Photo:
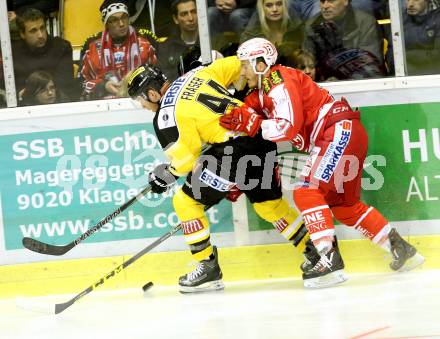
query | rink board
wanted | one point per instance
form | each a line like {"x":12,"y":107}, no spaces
{"x":237,"y":263}
{"x":60,"y":175}
{"x":104,"y":150}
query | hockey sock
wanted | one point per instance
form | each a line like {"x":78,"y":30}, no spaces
{"x":195,"y":225}
{"x":202,"y":250}
{"x":366,"y":219}
{"x":285,"y":219}
{"x":299,"y":237}
{"x":316,"y":213}
{"x":381,"y":238}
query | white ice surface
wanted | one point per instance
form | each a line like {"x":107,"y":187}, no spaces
{"x":369,"y":306}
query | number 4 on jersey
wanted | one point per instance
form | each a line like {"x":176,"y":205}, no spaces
{"x":217,"y":104}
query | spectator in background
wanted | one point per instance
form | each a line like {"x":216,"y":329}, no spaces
{"x":41,"y":89}
{"x":307,"y":9}
{"x":305,"y":62}
{"x":275,"y":25}
{"x":109,"y":55}
{"x":36,"y":50}
{"x":346,"y":42}
{"x":421,"y":27}
{"x":15,"y":6}
{"x":229,"y":15}
{"x":186,"y":34}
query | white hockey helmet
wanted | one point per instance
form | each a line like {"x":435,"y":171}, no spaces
{"x":255,"y":48}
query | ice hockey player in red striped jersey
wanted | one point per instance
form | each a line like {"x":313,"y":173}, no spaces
{"x":288,"y":105}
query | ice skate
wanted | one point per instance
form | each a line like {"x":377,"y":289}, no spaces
{"x":207,"y":276}
{"x":405,"y":256}
{"x":311,"y":257}
{"x":328,"y":271}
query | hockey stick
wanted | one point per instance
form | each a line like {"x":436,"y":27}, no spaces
{"x":43,"y":248}
{"x":61,"y":307}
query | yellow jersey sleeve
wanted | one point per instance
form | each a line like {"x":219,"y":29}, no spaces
{"x":226,"y":71}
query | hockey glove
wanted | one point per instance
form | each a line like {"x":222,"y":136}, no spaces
{"x":161,"y":179}
{"x":242,"y":119}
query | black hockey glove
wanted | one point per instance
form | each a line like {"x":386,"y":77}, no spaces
{"x":161,"y":179}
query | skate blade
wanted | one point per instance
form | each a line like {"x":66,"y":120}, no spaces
{"x":416,"y":260}
{"x":215,"y":285}
{"x":327,"y":280}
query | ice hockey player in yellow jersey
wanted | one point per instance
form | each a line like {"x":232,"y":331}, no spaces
{"x":216,"y":162}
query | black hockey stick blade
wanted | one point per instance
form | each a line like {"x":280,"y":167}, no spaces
{"x":43,"y":248}
{"x":61,"y":307}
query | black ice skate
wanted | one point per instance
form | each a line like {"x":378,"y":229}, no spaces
{"x":405,"y":256}
{"x":328,"y":271}
{"x":311,"y":257}
{"x":207,"y":276}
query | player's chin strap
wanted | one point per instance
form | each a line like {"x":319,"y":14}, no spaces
{"x":260,"y":74}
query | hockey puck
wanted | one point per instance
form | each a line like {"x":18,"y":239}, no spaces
{"x":147,"y":286}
